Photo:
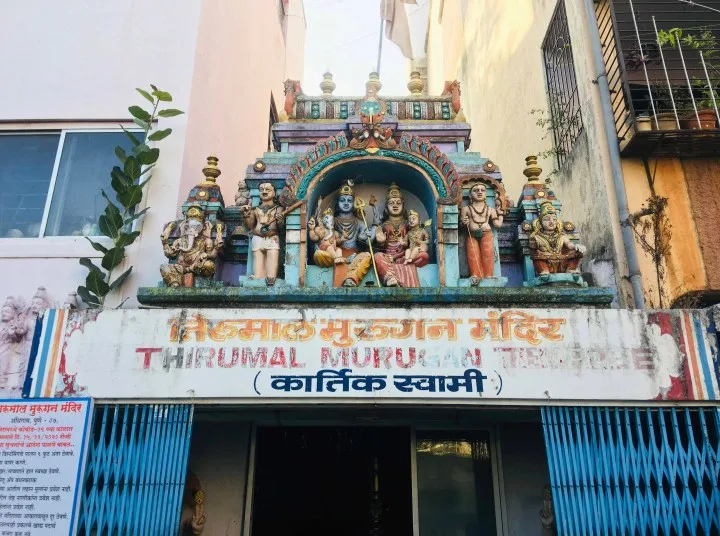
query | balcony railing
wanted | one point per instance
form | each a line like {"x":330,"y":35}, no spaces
{"x":662,"y":61}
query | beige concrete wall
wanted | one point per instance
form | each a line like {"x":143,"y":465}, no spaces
{"x":219,"y":458}
{"x":684,"y":266}
{"x":499,"y":64}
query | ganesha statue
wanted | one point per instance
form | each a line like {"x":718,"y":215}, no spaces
{"x":551,"y":248}
{"x":194,"y":253}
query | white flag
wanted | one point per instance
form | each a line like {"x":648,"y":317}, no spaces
{"x":396,"y":24}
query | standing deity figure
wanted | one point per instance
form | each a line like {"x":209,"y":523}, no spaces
{"x":391,"y":238}
{"x":326,"y":236}
{"x":265,"y":222}
{"x":551,"y":250}
{"x":13,"y":328}
{"x":417,"y":239}
{"x":479,"y":219}
{"x":195,"y":251}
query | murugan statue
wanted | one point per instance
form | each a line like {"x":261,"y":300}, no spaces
{"x":551,"y":249}
{"x":194,"y":253}
{"x":265,"y":222}
{"x":391,"y":239}
{"x":479,"y":219}
{"x":352,"y":236}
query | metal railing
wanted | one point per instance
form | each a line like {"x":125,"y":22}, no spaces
{"x":662,"y":61}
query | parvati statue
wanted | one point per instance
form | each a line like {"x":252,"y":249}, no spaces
{"x":551,"y":249}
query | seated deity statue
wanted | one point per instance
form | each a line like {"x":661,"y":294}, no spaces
{"x":323,"y":232}
{"x":351,"y":238}
{"x":194,"y":253}
{"x":417,"y":239}
{"x":479,"y":219}
{"x":392,"y":242}
{"x":551,"y":249}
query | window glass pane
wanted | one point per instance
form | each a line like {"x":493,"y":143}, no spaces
{"x":85,"y":164}
{"x":26,"y":164}
{"x":455,"y":485}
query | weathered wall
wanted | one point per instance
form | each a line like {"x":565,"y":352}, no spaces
{"x":218,"y":457}
{"x":525,"y":474}
{"x":701,"y":176}
{"x":685,"y":270}
{"x":500,"y":67}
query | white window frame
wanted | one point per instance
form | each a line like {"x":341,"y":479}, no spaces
{"x":57,"y":246}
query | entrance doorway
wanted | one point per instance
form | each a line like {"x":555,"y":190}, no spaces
{"x":332,"y":480}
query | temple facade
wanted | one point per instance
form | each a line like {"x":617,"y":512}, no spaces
{"x":368,"y":335}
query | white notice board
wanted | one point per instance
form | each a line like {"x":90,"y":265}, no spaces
{"x":43,"y":445}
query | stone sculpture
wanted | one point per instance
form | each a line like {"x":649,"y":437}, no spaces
{"x":352,"y":236}
{"x":265,"y":223}
{"x":195,"y":252}
{"x":391,"y":238}
{"x":547,"y":513}
{"x":192,"y":517}
{"x":551,"y":249}
{"x":322,"y":230}
{"x":479,"y":219}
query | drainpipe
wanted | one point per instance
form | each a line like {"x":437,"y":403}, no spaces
{"x":615,"y":164}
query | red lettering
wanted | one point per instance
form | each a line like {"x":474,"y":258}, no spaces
{"x":410,"y":358}
{"x":233,"y":360}
{"x":293,"y":359}
{"x":384,"y":355}
{"x":254,"y":359}
{"x":356,"y":359}
{"x":474,"y":357}
{"x":278,"y":357}
{"x":147,"y":353}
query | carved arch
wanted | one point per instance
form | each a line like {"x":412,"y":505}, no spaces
{"x":411,"y":150}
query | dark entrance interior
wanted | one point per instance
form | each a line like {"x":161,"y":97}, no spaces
{"x":332,"y":480}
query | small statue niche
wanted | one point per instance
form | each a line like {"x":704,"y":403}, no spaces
{"x":265,"y":222}
{"x":194,"y":244}
{"x":480,"y":221}
{"x":195,"y":250}
{"x":552,"y":249}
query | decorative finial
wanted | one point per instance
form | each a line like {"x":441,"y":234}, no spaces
{"x":327,"y":85}
{"x":532,"y":170}
{"x":416,"y":84}
{"x":211,"y":170}
{"x":373,"y":85}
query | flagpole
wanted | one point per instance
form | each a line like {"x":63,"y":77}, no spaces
{"x":382,"y":23}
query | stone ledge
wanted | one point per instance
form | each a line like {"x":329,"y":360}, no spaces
{"x":286,"y":295}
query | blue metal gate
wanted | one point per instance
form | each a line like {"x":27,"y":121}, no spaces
{"x":135,"y":473}
{"x":631,"y":471}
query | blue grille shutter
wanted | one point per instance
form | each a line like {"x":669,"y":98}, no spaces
{"x":135,"y":473}
{"x":634,"y":470}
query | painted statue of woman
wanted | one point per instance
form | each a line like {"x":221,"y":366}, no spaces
{"x":352,"y":236}
{"x":391,"y":242}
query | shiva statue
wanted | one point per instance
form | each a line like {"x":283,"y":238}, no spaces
{"x":352,"y":235}
{"x":194,"y":252}
{"x":392,"y":242}
{"x":551,"y":249}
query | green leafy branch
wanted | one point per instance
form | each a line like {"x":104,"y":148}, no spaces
{"x":128,"y":180}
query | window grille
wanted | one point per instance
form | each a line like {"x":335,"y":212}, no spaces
{"x":562,"y":87}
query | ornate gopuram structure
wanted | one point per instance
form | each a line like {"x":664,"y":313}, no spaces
{"x":376,"y":339}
